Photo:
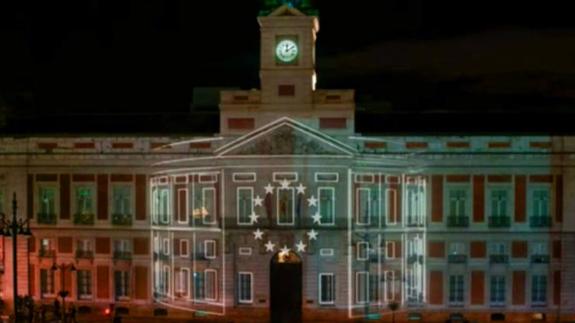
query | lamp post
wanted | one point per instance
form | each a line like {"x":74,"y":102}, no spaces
{"x":63,"y":292}
{"x":12,"y":228}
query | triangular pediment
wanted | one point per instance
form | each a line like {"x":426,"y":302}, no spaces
{"x":286,"y":137}
{"x":286,"y":10}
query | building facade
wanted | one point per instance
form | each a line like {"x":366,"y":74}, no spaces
{"x":289,"y":212}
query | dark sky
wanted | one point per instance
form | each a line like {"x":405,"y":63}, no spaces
{"x":146,"y":56}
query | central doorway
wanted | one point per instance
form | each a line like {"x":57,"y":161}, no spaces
{"x":286,"y":288}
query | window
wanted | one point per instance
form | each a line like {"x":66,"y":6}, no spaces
{"x":497,"y":290}
{"x":327,"y":205}
{"x":199,"y":292}
{"x":363,"y":208}
{"x":415,"y":205}
{"x":121,"y":284}
{"x":456,"y":248}
{"x":163,"y":205}
{"x":165,"y":281}
{"x":362,"y":250}
{"x":46,"y":282}
{"x":326,"y":288}
{"x":498,"y":248}
{"x":362,"y":287}
{"x":539,"y":248}
{"x":285,"y":206}
{"x":166,"y":246}
{"x":538,"y":290}
{"x":540,"y":202}
{"x":122,"y":249}
{"x":183,"y":283}
{"x":84,"y":200}
{"x":47,"y":200}
{"x":211,"y":284}
{"x":46,"y":247}
{"x":456,"y":290}
{"x":499,"y":203}
{"x":326,"y":252}
{"x":84,"y":248}
{"x":184,"y":251}
{"x":122,"y":199}
{"x":245,"y":287}
{"x":210,"y":249}
{"x":391,"y":201}
{"x":390,"y":250}
{"x":244,"y":177}
{"x":373,"y":288}
{"x":245,"y":204}
{"x":389,"y":285}
{"x":84,"y":284}
{"x":457,"y":202}
{"x":286,"y":90}
{"x":208,"y":205}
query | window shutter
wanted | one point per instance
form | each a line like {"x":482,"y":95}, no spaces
{"x":436,"y":285}
{"x":102,"y":282}
{"x":65,"y":244}
{"x":436,"y":249}
{"x":477,"y":249}
{"x":141,"y":197}
{"x":32,"y":244}
{"x":141,"y":246}
{"x":398,"y":249}
{"x":477,"y":287}
{"x":141,"y":279}
{"x":557,"y":249}
{"x":65,"y":196}
{"x":102,"y":197}
{"x":519,"y":249}
{"x":103,"y":245}
{"x":176,"y":247}
{"x":436,"y":198}
{"x":478,"y":198}
{"x":518,"y":289}
{"x":520,"y":194}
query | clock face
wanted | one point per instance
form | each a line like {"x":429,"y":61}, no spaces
{"x":287,"y":51}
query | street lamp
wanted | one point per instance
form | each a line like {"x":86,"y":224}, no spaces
{"x":63,"y":293}
{"x":12,"y":228}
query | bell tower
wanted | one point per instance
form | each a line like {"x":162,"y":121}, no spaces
{"x":287,"y":68}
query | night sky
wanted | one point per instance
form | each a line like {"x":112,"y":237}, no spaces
{"x":404,"y":57}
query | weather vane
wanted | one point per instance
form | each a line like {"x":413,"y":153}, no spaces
{"x":302,"y":5}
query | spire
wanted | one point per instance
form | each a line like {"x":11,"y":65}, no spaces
{"x":302,"y":5}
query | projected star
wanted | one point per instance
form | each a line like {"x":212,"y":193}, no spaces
{"x":269,"y":189}
{"x":284,"y":184}
{"x":254,"y":217}
{"x":285,"y":250}
{"x":316,"y":218}
{"x":300,"y":189}
{"x":258,"y":201}
{"x":312,"y":201}
{"x":300,"y":246}
{"x":258,"y":234}
{"x":270,"y":246}
{"x":312,"y":234}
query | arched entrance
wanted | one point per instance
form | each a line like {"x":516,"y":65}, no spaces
{"x":285,"y":288}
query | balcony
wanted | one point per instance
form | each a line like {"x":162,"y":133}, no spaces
{"x":498,"y":259}
{"x":46,"y":253}
{"x":540,"y":221}
{"x":121,"y":219}
{"x":457,"y":259}
{"x":46,"y":218}
{"x":457,"y":221}
{"x":415,"y":221}
{"x":84,"y":254}
{"x":411,"y":259}
{"x":540,"y":259}
{"x":84,"y":218}
{"x":122,"y":255}
{"x":499,"y":222}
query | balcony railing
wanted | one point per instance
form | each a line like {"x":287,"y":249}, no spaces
{"x":46,"y":218}
{"x":122,"y":255}
{"x":457,"y":259}
{"x":46,"y":253}
{"x":499,"y":259}
{"x":540,"y":259}
{"x":458,"y":221}
{"x":121,"y":219}
{"x":540,"y":221}
{"x":415,"y":221}
{"x":499,"y":221}
{"x":84,"y":254}
{"x":411,"y":259}
{"x":84,"y":218}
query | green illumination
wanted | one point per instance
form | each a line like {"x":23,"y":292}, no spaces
{"x":302,"y":5}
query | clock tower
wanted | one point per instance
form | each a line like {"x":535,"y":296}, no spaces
{"x":288,"y":78}
{"x":287,"y":68}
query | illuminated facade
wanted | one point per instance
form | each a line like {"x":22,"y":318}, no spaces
{"x":288,"y":210}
